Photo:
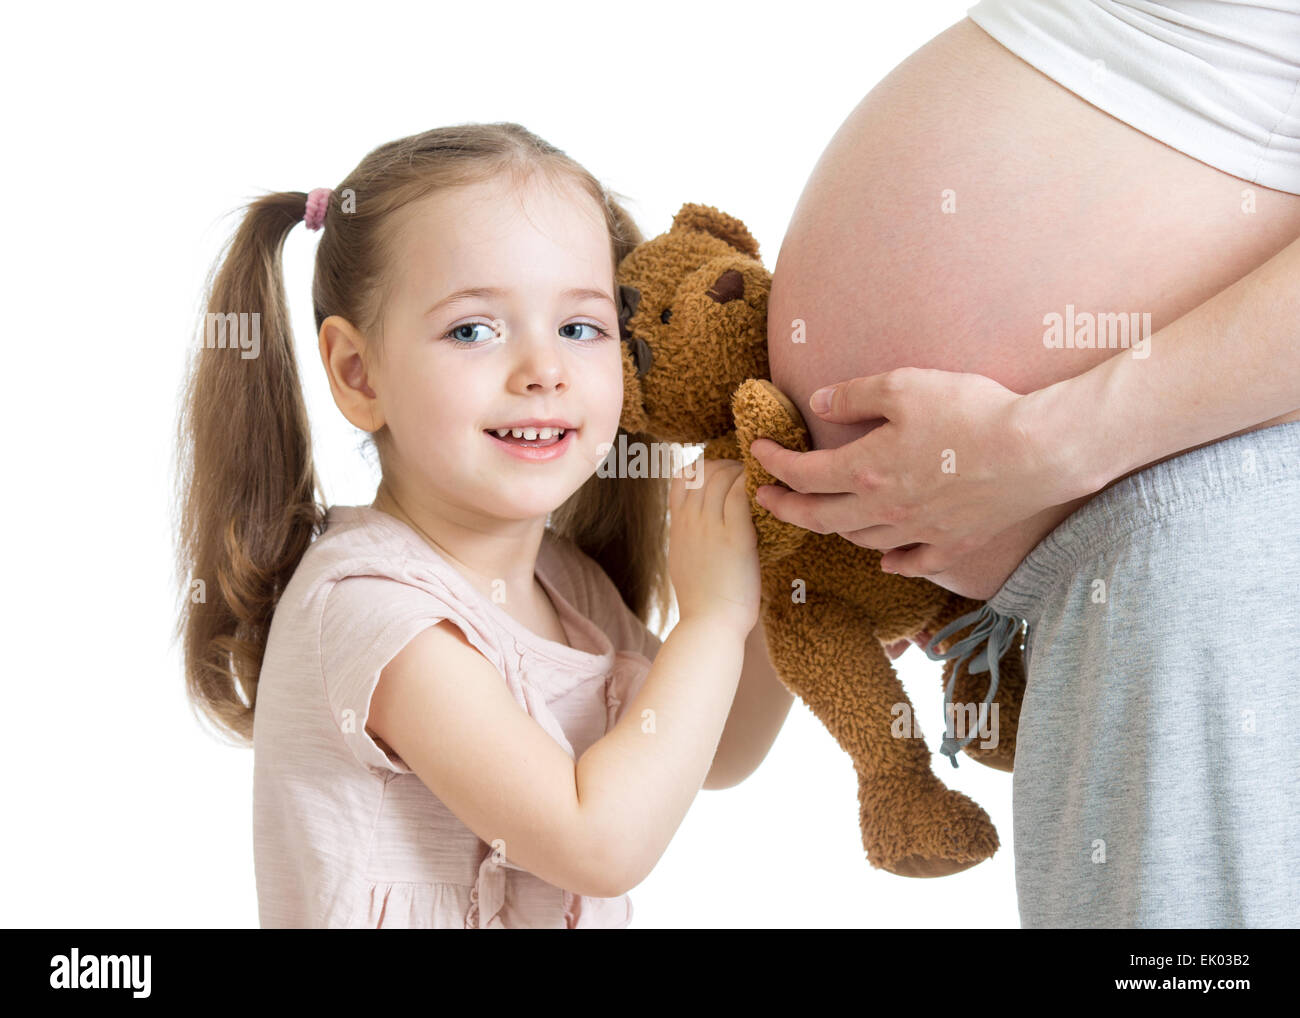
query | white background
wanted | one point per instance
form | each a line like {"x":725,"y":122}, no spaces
{"x":132,"y":134}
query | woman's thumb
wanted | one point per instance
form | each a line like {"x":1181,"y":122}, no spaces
{"x":858,"y":399}
{"x":822,"y":399}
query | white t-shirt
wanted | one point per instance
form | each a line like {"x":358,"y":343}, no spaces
{"x":1216,"y":79}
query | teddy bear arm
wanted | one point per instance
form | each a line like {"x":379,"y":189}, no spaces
{"x":761,"y":410}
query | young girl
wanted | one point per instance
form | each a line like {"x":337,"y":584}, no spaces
{"x":458,"y":714}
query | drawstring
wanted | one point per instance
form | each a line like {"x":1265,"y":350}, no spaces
{"x":998,"y":631}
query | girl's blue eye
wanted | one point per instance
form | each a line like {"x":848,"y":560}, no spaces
{"x":461,"y":341}
{"x":451,"y":333}
{"x":600,"y":333}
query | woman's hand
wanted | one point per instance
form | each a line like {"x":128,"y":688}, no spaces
{"x":896,"y":649}
{"x":956,"y":461}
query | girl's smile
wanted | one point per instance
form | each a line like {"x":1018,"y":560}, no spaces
{"x":528,"y":443}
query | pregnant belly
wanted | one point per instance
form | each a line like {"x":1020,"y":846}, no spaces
{"x":968,"y":198}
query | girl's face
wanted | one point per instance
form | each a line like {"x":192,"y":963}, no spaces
{"x":543,"y":345}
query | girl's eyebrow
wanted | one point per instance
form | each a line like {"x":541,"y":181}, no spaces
{"x":582,"y":293}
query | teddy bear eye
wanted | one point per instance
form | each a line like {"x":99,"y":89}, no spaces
{"x":665,"y":314}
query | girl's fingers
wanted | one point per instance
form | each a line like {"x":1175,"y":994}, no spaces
{"x":737,"y":505}
{"x":718,"y":486}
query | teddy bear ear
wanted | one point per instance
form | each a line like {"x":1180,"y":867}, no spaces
{"x":712,"y":221}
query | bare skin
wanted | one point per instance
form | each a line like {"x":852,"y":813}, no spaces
{"x":538,"y":615}
{"x":1057,"y":203}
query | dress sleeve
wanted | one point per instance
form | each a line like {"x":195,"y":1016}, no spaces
{"x":365,"y":622}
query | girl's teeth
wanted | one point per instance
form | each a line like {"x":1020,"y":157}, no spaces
{"x":531,"y":434}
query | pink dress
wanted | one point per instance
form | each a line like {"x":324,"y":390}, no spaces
{"x":345,"y":834}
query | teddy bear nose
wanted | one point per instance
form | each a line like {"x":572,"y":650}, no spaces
{"x":728,"y":286}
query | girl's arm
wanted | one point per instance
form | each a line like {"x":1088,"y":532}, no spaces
{"x":596,"y":826}
{"x":1230,"y":363}
{"x":757,"y":714}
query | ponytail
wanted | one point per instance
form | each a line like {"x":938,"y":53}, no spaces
{"x":247,"y":495}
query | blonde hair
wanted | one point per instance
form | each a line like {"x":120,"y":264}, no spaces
{"x":248,"y":501}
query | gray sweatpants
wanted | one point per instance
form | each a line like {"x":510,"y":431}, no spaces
{"x":1155,"y":778}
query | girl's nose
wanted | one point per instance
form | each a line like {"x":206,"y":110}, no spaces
{"x":539,"y":362}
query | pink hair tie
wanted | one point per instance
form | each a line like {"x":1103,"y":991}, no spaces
{"x":317,"y":203}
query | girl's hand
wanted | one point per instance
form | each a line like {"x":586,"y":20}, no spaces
{"x":956,"y":462}
{"x":712,"y":546}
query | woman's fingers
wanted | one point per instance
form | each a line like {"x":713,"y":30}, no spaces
{"x":846,"y":513}
{"x":827,"y":471}
{"x":870,"y":397}
{"x":923,"y":560}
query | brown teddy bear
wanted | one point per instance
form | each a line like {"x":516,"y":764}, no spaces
{"x":693,"y":319}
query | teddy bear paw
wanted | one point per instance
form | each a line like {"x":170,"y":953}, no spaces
{"x":931,"y":836}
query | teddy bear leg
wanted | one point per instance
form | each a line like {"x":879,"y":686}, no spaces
{"x":968,"y":694}
{"x":970,"y":690}
{"x":824,"y":651}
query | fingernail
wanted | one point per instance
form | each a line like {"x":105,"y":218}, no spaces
{"x":821,"y":399}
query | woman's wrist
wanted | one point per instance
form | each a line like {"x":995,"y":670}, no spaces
{"x":1067,"y":427}
{"x":1229,"y":364}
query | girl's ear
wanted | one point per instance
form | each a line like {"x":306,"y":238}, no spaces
{"x":342,"y":350}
